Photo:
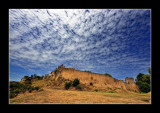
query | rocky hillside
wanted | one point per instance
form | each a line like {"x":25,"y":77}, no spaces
{"x":88,"y":81}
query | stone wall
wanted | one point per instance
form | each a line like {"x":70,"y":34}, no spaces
{"x":95,"y":80}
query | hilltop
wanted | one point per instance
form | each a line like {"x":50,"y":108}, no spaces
{"x":88,"y":81}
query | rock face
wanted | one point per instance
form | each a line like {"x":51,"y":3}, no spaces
{"x":130,"y":85}
{"x":91,"y":81}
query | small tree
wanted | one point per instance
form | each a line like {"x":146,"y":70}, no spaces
{"x":143,"y":82}
{"x":42,"y":76}
{"x":75,"y":82}
{"x":34,"y":76}
{"x":67,"y":85}
{"x":26,"y":77}
{"x":31,"y":76}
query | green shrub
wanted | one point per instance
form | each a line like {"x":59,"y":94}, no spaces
{"x":111,"y":92}
{"x":108,"y":74}
{"x":36,"y":88}
{"x":30,"y":90}
{"x":27,"y":82}
{"x":87,"y":71}
{"x":67,"y":85}
{"x":96,"y":90}
{"x":75,"y":82}
{"x":146,"y":100}
{"x":22,"y":90}
{"x":12,"y":95}
{"x":16,"y":91}
{"x":14,"y":85}
{"x":78,"y":87}
{"x":18,"y":87}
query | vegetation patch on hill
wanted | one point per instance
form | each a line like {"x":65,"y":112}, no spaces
{"x":24,"y":85}
{"x":75,"y":83}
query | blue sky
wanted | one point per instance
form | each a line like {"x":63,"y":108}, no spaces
{"x":114,"y":41}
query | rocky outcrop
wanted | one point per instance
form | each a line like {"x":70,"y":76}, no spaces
{"x":91,"y":81}
{"x":130,"y":85}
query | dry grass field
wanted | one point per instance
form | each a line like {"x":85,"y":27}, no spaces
{"x":59,"y":96}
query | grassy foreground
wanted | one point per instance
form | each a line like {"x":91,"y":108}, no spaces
{"x":57,"y":96}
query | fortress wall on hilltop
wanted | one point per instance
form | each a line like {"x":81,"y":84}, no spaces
{"x":95,"y":80}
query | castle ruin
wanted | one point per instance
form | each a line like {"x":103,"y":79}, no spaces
{"x":90,"y":81}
